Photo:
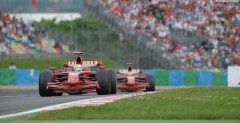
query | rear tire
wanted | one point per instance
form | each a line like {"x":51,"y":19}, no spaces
{"x":151,"y":81}
{"x":57,"y":94}
{"x":104,"y":85}
{"x":112,"y":77}
{"x":44,"y":78}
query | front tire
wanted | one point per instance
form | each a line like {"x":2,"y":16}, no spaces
{"x":57,"y":94}
{"x":44,"y":78}
{"x":151,"y":81}
{"x":112,"y":77}
{"x":104,"y":85}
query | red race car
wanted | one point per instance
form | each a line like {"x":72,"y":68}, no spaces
{"x":77,"y":78}
{"x":134,"y":80}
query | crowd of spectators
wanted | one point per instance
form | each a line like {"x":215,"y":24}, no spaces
{"x":216,"y":26}
{"x":16,"y":31}
{"x":219,"y":26}
{"x":13,"y":29}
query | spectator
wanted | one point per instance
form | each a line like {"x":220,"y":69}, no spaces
{"x":58,"y":46}
{"x":25,"y":40}
{"x":120,"y":34}
{"x":18,"y":37}
{"x":12,"y":66}
{"x":4,"y":49}
{"x":215,"y":23}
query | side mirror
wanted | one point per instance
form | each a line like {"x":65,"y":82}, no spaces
{"x":52,"y":69}
{"x":65,"y":64}
{"x":99,"y":63}
{"x":118,"y":72}
{"x":69,"y":69}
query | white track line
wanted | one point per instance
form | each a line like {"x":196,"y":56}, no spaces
{"x":79,"y":103}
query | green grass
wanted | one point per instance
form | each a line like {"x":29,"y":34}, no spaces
{"x":189,"y":103}
{"x":124,"y":121}
{"x":46,"y":63}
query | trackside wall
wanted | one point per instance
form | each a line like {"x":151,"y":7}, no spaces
{"x":19,"y":77}
{"x":162,"y":77}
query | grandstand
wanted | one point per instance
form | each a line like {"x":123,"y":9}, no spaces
{"x":214,"y":27}
{"x":176,"y":34}
{"x":18,"y":38}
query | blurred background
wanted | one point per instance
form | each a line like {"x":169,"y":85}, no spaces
{"x":166,"y":34}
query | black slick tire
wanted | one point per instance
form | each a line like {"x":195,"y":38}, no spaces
{"x":151,"y":81}
{"x":112,"y":77}
{"x":44,"y":78}
{"x":104,"y":85}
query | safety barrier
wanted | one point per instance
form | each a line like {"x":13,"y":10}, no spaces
{"x":7,"y":77}
{"x":19,"y":77}
{"x":188,"y":78}
{"x":162,"y":77}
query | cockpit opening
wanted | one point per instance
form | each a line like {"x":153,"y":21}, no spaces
{"x":79,"y":60}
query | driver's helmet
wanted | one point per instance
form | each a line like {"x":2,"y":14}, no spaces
{"x":78,"y":68}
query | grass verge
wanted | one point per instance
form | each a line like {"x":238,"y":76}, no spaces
{"x":125,"y":121}
{"x":46,"y":63}
{"x":186,"y":103}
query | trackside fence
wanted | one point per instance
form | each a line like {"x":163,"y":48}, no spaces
{"x":162,"y":77}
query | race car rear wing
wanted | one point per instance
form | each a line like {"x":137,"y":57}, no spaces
{"x":84,"y":63}
{"x":134,"y":71}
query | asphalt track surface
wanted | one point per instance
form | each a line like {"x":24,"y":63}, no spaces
{"x":15,"y":99}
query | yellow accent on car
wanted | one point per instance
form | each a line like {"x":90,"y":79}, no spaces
{"x":79,"y":53}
